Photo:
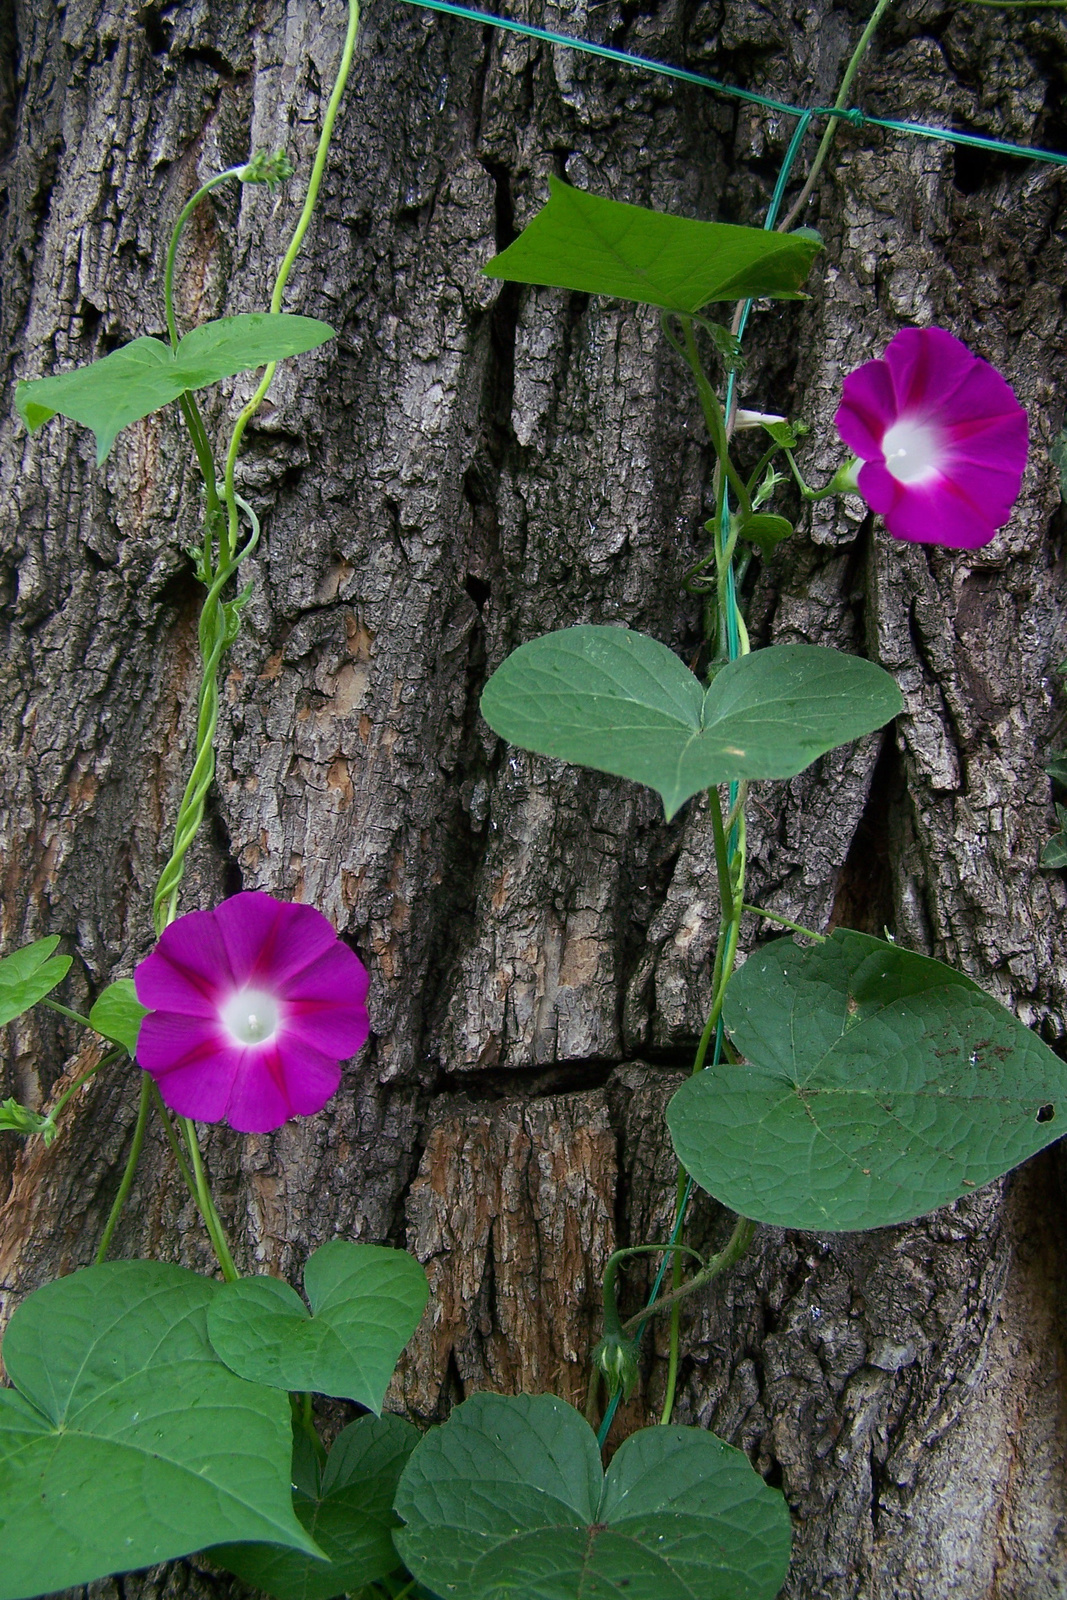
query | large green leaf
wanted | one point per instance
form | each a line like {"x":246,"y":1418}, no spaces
{"x":109,"y":394}
{"x":349,"y":1515}
{"x":507,"y":1499}
{"x":366,"y":1302}
{"x":583,"y":241}
{"x":623,"y":703}
{"x":27,"y":975}
{"x":125,"y":1440}
{"x":118,"y":1014}
{"x":876,"y":1085}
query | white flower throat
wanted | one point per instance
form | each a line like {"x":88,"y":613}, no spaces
{"x":912,"y":450}
{"x":250,"y":1016}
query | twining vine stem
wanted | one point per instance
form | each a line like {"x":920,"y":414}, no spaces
{"x":219,"y":624}
{"x":729,"y":836}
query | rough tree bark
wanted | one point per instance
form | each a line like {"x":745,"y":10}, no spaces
{"x":465,"y":467}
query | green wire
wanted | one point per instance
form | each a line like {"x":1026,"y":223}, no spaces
{"x":920,"y":130}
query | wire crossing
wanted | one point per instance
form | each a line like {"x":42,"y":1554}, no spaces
{"x":859,"y":119}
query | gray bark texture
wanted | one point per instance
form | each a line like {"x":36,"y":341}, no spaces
{"x":467,"y":466}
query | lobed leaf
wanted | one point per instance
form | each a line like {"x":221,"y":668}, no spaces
{"x":125,"y":1440}
{"x":508,"y":1499}
{"x":876,"y":1085}
{"x":623,"y":703}
{"x":349,"y":1515}
{"x":130,"y":383}
{"x":598,"y":246}
{"x":366,"y":1303}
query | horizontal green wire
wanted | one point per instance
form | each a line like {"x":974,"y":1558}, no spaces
{"x":920,"y":130}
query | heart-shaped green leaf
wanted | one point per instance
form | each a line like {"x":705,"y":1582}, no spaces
{"x":118,"y":1014}
{"x":876,"y":1085}
{"x":598,"y":246}
{"x":125,"y":1441}
{"x":366,"y":1302}
{"x":508,"y":1499}
{"x":109,"y":394}
{"x":27,"y":975}
{"x":349,"y":1515}
{"x":623,"y":703}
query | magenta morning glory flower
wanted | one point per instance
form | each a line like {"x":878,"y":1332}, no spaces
{"x":942,"y":438}
{"x":252,"y":1008}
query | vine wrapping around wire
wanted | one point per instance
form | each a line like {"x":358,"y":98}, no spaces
{"x":919,"y":130}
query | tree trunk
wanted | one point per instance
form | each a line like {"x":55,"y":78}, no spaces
{"x":465,"y":467}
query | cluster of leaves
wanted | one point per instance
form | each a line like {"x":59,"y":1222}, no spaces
{"x":150,"y":1418}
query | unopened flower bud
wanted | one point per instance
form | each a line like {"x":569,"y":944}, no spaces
{"x":756,"y":419}
{"x":269,"y":167}
{"x":617,"y":1360}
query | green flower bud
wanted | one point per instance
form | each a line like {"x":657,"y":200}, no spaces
{"x":616,"y":1358}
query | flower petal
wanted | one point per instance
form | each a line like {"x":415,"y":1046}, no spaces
{"x":867,"y":409}
{"x":193,"y":949}
{"x":191,"y":1063}
{"x":275,"y":1083}
{"x":926,"y":367}
{"x":267,"y":940}
{"x":940,"y":513}
{"x":163,"y":986}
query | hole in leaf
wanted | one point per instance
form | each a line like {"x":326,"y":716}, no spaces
{"x":1046,"y":1113}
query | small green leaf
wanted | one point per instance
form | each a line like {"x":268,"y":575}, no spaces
{"x":727,"y":345}
{"x":1054,"y":855}
{"x":788,"y":435}
{"x":508,"y":1499}
{"x":117,"y":1014}
{"x":875,"y":1085}
{"x":126,"y":1441}
{"x":765,"y":530}
{"x":1057,"y":767}
{"x":350,"y":1517}
{"x":620,"y":702}
{"x":366,"y":1301}
{"x":27,"y":975}
{"x":585,"y":242}
{"x":130,"y":383}
{"x":17,"y":1118}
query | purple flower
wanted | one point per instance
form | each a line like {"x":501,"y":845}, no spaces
{"x":942,"y":437}
{"x":253,"y":1006}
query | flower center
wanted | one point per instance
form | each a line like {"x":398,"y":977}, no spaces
{"x":250,"y":1016}
{"x":912,"y":450}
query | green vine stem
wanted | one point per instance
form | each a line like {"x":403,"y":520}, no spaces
{"x":774,"y":916}
{"x":131,"y":1167}
{"x":744,"y":1231}
{"x":107,"y":1060}
{"x":219,"y":622}
{"x":219,"y":618}
{"x":212,"y":1221}
{"x":173,"y":1140}
{"x":831,"y":122}
{"x":730,"y":840}
{"x":248,"y":412}
{"x":65,"y":1011}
